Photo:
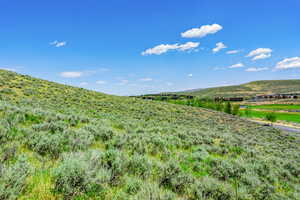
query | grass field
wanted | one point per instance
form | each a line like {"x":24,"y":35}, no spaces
{"x":63,"y":142}
{"x":290,"y":117}
{"x":279,"y":110}
{"x":276,"y":107}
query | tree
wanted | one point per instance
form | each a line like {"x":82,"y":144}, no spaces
{"x":236,"y":109}
{"x":227,"y":108}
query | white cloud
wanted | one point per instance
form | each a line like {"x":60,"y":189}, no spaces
{"x":202,"y":31}
{"x":188,"y":45}
{"x":101,"y":82}
{"x":219,"y":46}
{"x":83,"y":83}
{"x":289,"y":63}
{"x":169,"y":83}
{"x":58,"y":44}
{"x":9,"y":69}
{"x":256,"y":69}
{"x":123,"y":82}
{"x":233,"y":52}
{"x":238,"y":65}
{"x":260,"y":53}
{"x":262,"y":56}
{"x":71,"y":74}
{"x":190,"y":75}
{"x":219,"y":68}
{"x":163,"y":48}
{"x":146,"y":79}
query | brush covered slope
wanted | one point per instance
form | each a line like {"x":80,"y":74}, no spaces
{"x":249,"y":90}
{"x":62,"y":142}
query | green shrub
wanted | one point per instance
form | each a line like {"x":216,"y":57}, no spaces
{"x":228,"y":108}
{"x":53,"y":127}
{"x":151,"y":191}
{"x":271,"y":117}
{"x":78,"y":140}
{"x":224,"y":170}
{"x":81,"y":174}
{"x":132,"y":185}
{"x":171,"y":176}
{"x":236,"y":109}
{"x":117,"y":163}
{"x":209,"y":188}
{"x":46,"y":143}
{"x":4,"y":135}
{"x":139,"y":166}
{"x":8,"y":153}
{"x":13,"y":178}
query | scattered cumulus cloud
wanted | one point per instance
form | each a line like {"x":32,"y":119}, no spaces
{"x":260,"y":53}
{"x":238,"y":65}
{"x":8,"y":69}
{"x":77,"y":74}
{"x":164,"y":48}
{"x":83,"y":83}
{"x":71,"y":74}
{"x":190,"y":75}
{"x":124,"y":82}
{"x":58,"y":44}
{"x":233,"y":51}
{"x":219,"y":68}
{"x":219,"y":46}
{"x":169,"y":83}
{"x":146,"y":79}
{"x":202,"y":31}
{"x":256,"y":69}
{"x":288,"y":63}
{"x":261,"y":56}
{"x":101,"y":82}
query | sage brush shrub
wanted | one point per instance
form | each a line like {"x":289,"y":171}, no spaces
{"x":46,"y":143}
{"x":117,"y":163}
{"x":224,"y":169}
{"x":132,"y":185}
{"x":8,"y":153}
{"x":81,"y":174}
{"x":209,"y":188}
{"x":151,"y":191}
{"x":13,"y":178}
{"x":174,"y":178}
{"x":140,"y":166}
{"x":78,"y":140}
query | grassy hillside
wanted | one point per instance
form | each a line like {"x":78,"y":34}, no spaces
{"x":249,"y":89}
{"x":62,"y":142}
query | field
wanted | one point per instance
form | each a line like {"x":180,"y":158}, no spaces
{"x":249,"y":90}
{"x":62,"y":142}
{"x":284,"y":112}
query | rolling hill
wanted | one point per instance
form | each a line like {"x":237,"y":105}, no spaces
{"x":250,"y":89}
{"x":63,"y":142}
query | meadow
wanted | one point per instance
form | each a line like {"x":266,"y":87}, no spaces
{"x":63,"y":142}
{"x":284,"y":112}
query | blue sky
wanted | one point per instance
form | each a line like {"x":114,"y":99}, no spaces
{"x":128,"y":47}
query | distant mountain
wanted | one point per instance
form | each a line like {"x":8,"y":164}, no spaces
{"x":249,"y":89}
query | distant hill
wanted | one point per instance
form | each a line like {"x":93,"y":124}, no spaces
{"x":63,"y":142}
{"x":249,"y":89}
